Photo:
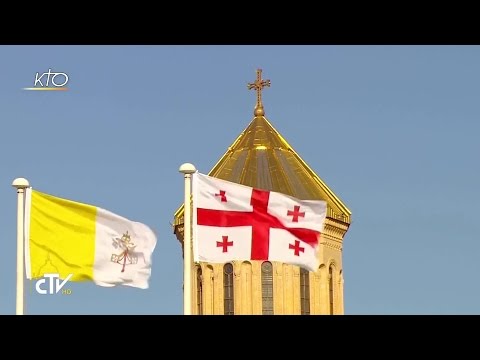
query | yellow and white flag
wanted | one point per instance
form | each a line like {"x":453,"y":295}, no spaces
{"x":85,"y":241}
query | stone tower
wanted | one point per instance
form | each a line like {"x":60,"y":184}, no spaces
{"x":261,"y":158}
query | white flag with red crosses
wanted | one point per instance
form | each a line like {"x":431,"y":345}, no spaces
{"x":237,"y":222}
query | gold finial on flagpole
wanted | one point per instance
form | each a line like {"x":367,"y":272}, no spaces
{"x":258,"y":85}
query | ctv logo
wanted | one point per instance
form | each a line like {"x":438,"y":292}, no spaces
{"x":50,"y":81}
{"x":53,"y":287}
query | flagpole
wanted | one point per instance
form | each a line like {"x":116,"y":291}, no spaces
{"x":20,"y":184}
{"x":187,"y":170}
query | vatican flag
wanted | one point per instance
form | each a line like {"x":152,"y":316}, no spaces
{"x":82,"y":242}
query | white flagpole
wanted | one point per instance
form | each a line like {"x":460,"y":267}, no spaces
{"x":187,"y":170}
{"x":20,"y":184}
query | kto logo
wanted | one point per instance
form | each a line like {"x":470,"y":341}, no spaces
{"x":53,"y":286}
{"x":50,"y":81}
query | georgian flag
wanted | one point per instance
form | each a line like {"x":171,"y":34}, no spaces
{"x":237,"y":222}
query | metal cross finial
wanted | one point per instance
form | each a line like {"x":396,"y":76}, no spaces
{"x":258,"y":85}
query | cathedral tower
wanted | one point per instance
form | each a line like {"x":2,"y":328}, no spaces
{"x":261,"y":158}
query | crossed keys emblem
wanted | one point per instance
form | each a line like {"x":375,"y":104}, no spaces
{"x":126,"y":257}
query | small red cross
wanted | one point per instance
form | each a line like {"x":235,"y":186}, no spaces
{"x":297,"y":248}
{"x":224,"y":243}
{"x":222,"y":195}
{"x":295,"y":213}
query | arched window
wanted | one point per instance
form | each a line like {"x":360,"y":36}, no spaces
{"x":330,"y":289}
{"x":199,"y":291}
{"x":228,"y":300}
{"x":267,"y":288}
{"x":304,"y":291}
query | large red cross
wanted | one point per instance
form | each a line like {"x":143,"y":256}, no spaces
{"x":295,"y":213}
{"x":259,"y":219}
{"x":224,"y":243}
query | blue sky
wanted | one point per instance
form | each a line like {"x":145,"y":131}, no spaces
{"x":392,"y":130}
